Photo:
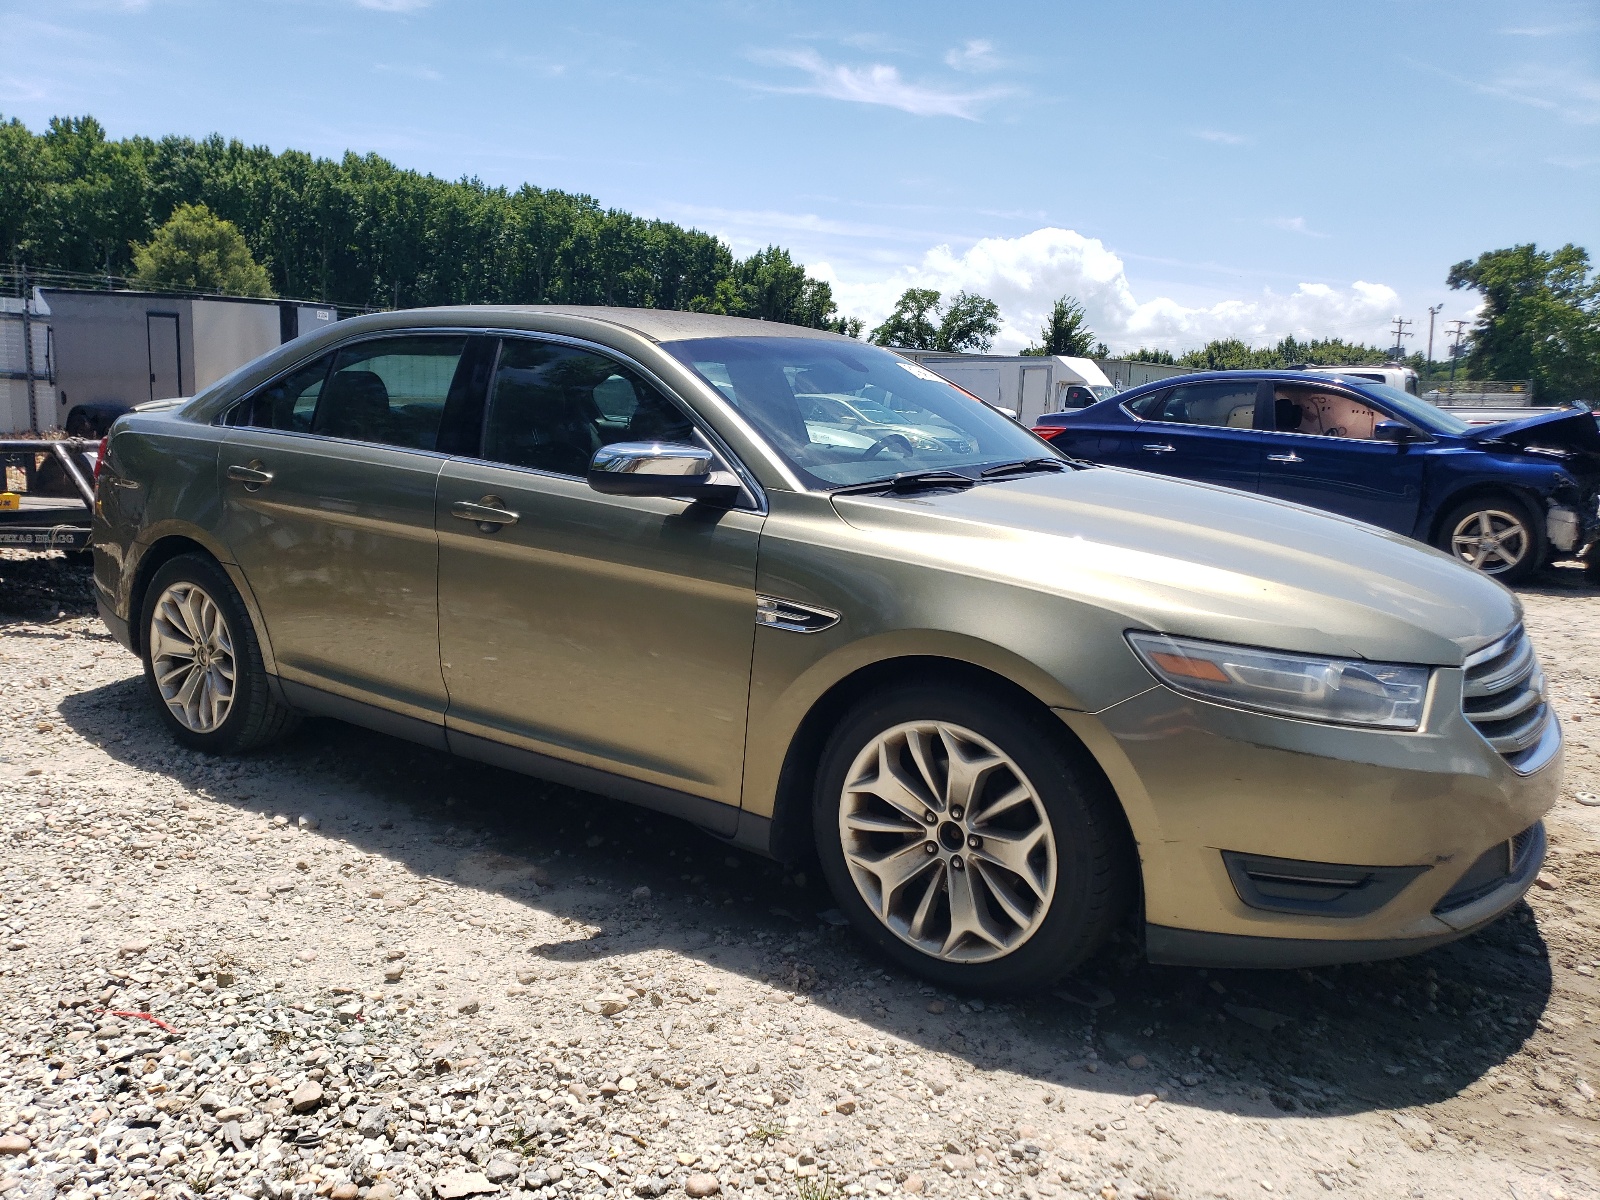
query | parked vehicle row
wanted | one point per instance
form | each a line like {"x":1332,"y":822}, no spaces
{"x":1505,"y":498}
{"x":819,"y":601}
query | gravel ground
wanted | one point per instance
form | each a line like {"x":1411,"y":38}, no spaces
{"x":349,"y":967}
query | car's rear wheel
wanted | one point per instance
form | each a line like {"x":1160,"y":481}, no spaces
{"x":1496,"y":535}
{"x":967,"y":838}
{"x":202,"y":663}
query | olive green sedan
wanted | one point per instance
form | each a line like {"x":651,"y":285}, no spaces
{"x":1006,"y":698}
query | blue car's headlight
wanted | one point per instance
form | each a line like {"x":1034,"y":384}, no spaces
{"x":1338,"y":691}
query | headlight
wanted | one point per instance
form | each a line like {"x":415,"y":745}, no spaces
{"x":1338,"y":691}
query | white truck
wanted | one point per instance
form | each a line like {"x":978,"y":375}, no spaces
{"x":1025,"y":386}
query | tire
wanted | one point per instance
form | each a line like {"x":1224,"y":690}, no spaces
{"x":188,"y":595}
{"x":1031,"y":928}
{"x":1520,"y":548}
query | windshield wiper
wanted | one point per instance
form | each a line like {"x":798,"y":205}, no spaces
{"x":1025,"y":466}
{"x":908,"y":482}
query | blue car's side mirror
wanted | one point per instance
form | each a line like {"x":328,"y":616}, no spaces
{"x":1392,"y":431}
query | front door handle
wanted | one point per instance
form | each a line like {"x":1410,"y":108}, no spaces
{"x":251,"y":475}
{"x":1289,"y":457}
{"x":1160,"y":448}
{"x":489,"y":513}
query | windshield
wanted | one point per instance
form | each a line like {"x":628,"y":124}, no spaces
{"x":1417,"y":411}
{"x":842,"y":414}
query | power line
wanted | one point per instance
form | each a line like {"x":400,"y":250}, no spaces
{"x":1455,"y":345}
{"x":1432,"y":313}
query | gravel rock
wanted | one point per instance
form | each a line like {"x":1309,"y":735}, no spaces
{"x":306,"y":1097}
{"x":701,"y":1184}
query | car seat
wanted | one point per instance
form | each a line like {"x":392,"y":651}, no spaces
{"x":354,"y":405}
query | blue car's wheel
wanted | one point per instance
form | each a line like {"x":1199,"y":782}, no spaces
{"x":1496,"y":535}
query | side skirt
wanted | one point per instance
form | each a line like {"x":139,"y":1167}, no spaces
{"x":724,"y":821}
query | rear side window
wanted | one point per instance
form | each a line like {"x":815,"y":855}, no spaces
{"x":1232,"y":405}
{"x":288,"y":403}
{"x":391,"y":391}
{"x":1146,"y":407}
{"x":553,"y":406}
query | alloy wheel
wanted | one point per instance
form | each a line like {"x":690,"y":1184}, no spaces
{"x":191,"y":655}
{"x":947,"y":841}
{"x":1492,"y":540}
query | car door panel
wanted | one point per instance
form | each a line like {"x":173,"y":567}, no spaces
{"x":340,"y":552}
{"x":1205,"y":432}
{"x":1340,"y":467}
{"x":612,"y":631}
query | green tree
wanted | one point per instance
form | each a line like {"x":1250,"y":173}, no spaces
{"x":196,"y":250}
{"x":1540,"y":319}
{"x":1161,"y":357}
{"x":1065,"y":331}
{"x":910,"y":325}
{"x":969,"y":323}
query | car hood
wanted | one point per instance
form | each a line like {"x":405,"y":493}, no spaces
{"x":1569,"y":429}
{"x":1201,"y":561}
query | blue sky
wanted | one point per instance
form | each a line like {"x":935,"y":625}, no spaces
{"x":1188,"y":170}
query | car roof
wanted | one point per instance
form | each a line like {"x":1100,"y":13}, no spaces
{"x":1258,"y":376}
{"x":657,"y":324}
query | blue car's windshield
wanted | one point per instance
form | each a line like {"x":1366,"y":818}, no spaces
{"x":844,"y":413}
{"x":1418,"y":412}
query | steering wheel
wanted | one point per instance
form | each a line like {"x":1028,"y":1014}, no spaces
{"x":883,"y":443}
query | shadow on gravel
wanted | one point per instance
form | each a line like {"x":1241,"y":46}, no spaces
{"x":44,"y":587}
{"x":1330,"y":1041}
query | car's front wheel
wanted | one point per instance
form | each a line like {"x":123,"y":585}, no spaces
{"x":202,"y":663}
{"x":968,"y":839}
{"x":1496,"y":535}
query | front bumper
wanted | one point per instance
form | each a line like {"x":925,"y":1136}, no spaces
{"x":1205,"y":786}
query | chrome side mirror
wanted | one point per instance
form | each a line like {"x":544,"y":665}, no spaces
{"x":673,"y":470}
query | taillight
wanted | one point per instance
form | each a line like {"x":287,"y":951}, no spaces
{"x":100,"y":456}
{"x":1049,"y":432}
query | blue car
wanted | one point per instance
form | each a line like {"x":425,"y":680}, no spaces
{"x":1506,"y":498}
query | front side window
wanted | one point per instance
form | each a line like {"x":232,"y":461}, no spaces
{"x":1323,"y":413}
{"x":843,"y":413}
{"x":390,"y":390}
{"x":1231,"y":405}
{"x":553,"y":406}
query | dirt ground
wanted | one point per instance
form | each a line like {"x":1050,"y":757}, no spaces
{"x":378,"y":972}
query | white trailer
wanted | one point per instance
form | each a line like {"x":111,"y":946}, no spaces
{"x":1024,"y":385}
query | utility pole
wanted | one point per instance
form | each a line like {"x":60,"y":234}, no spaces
{"x":1455,"y":346}
{"x":1432,"y":313}
{"x":1400,"y":324}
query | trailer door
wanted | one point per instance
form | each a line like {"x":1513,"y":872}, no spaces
{"x":166,"y":369}
{"x":1035,"y":391}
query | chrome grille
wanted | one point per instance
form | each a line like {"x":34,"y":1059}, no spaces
{"x":1503,"y":696}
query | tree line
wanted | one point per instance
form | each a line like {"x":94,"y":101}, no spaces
{"x":362,"y":232}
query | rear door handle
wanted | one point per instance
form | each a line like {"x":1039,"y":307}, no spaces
{"x":489,"y":513}
{"x":1160,"y":448}
{"x":1289,"y":457}
{"x":252,"y":475}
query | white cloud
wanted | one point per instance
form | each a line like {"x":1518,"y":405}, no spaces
{"x":1221,"y":137}
{"x":394,"y":6}
{"x":975,"y":55}
{"x":877,"y":83}
{"x":1568,"y":92}
{"x":1295,"y":225}
{"x":1558,"y":29}
{"x":1025,"y":275}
